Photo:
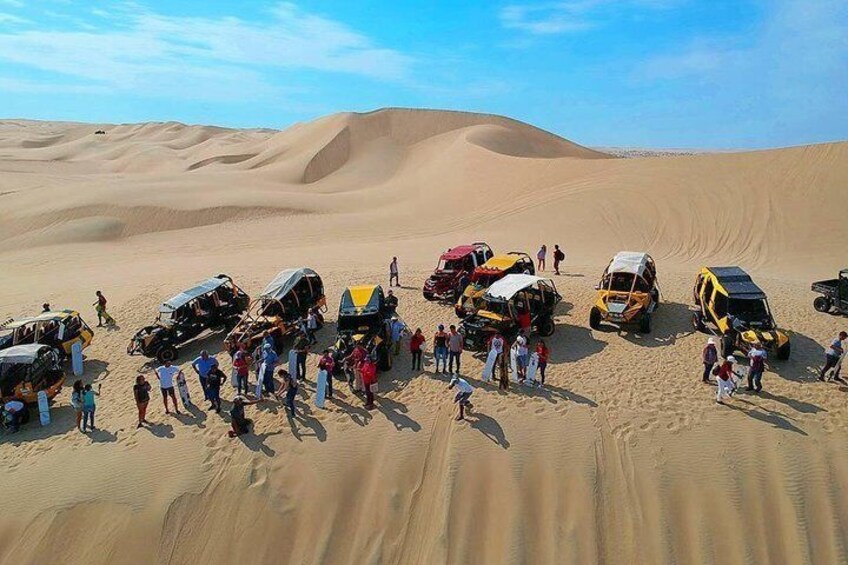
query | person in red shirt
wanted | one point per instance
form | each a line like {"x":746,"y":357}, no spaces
{"x":327,"y":363}
{"x":353,"y":362}
{"x":543,"y":352}
{"x":524,"y":320}
{"x":241,"y":363}
{"x":415,"y":347}
{"x":369,"y":381}
{"x":725,"y":379}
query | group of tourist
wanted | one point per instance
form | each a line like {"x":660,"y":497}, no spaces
{"x":728,"y":376}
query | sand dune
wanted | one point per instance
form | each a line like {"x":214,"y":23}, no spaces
{"x":625,"y":458}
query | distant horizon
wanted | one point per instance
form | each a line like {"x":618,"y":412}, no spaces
{"x":600,"y":147}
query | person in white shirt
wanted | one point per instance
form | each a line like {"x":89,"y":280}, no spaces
{"x":832,"y":357}
{"x":393,"y":272}
{"x":463,"y":393}
{"x":521,"y":355}
{"x":496,"y":346}
{"x":166,"y":375}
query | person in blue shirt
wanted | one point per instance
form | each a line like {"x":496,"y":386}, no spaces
{"x":398,"y":329}
{"x":202,"y":365}
{"x":270,"y":360}
{"x":88,"y":407}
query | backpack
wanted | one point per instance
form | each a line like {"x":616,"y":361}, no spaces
{"x":559,"y":255}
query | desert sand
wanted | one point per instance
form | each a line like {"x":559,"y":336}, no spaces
{"x":624,"y":458}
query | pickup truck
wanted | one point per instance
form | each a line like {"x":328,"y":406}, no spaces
{"x":834,"y":294}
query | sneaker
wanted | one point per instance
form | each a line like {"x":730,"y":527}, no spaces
{"x":138,"y":426}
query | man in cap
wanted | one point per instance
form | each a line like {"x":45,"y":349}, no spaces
{"x":757,"y":365}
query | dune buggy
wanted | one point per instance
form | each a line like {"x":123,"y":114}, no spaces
{"x":454,"y":271}
{"x":496,"y":268}
{"x":628,"y":293}
{"x":364,"y":318}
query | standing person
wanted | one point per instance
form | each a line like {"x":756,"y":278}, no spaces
{"x":267,"y":338}
{"x":543,"y":352}
{"x":398,"y":328}
{"x":559,"y":257}
{"x":239,"y":423}
{"x":166,"y":375}
{"x":288,"y":386}
{"x":524,"y":320}
{"x":312,"y":326}
{"x":202,"y":365}
{"x":100,"y":308}
{"x":141,"y":393}
{"x":416,"y":343}
{"x":301,"y":349}
{"x":45,"y":307}
{"x":394,"y":272}
{"x":327,"y":363}
{"x":503,"y":362}
{"x":725,"y":379}
{"x":353,"y":365}
{"x":269,"y":361}
{"x":241,"y":364}
{"x":440,"y":348}
{"x":463,"y":393}
{"x":455,"y":344}
{"x":182,"y":388}
{"x":709,"y":356}
{"x":89,"y":406}
{"x":757,"y":365}
{"x":76,"y":401}
{"x":369,"y":381}
{"x":521,"y":355}
{"x":496,"y":346}
{"x":832,"y":355}
{"x":214,"y":381}
{"x":391,"y":302}
{"x":540,"y":257}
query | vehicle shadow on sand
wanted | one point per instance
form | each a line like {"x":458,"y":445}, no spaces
{"x":670,"y":322}
{"x":572,"y":343}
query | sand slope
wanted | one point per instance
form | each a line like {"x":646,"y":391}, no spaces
{"x":624,"y":458}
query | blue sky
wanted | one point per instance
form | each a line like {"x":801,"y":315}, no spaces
{"x":649,"y":73}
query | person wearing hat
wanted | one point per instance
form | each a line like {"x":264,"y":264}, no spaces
{"x":725,"y":379}
{"x":757,"y":365}
{"x":398,"y":329}
{"x":391,"y":302}
{"x":710,"y":357}
{"x":440,"y":348}
{"x":269,"y":360}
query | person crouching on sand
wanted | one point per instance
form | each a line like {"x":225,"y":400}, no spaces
{"x":463,"y":393}
{"x":726,"y":383}
{"x":239,"y":423}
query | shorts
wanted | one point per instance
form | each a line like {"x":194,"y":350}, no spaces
{"x":462,"y":397}
{"x":167,"y":391}
{"x":521,"y":361}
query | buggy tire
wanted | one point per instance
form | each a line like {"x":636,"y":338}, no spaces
{"x":645,"y":324}
{"x":822,"y":304}
{"x":546,"y":327}
{"x":595,"y":318}
{"x":428,"y":296}
{"x":166,"y":353}
{"x":698,"y":322}
{"x":784,"y":351}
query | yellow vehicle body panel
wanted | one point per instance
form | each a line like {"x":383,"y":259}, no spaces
{"x":502,"y":262}
{"x":639,"y":301}
{"x":490,"y":315}
{"x":361,"y":295}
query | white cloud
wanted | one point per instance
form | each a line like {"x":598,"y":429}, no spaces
{"x":552,"y":18}
{"x":150,"y":53}
{"x":12,"y":19}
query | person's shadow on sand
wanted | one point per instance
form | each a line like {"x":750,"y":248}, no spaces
{"x":305,"y":419}
{"x":395,"y":412}
{"x":489,"y":427}
{"x":772,"y":417}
